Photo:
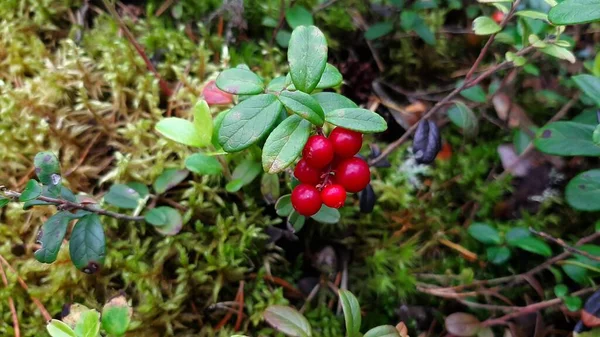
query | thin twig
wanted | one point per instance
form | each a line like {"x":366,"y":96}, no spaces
{"x":561,"y":243}
{"x":11,"y":304}
{"x":73,"y":205}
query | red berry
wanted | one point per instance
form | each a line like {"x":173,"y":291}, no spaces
{"x":318,"y":151}
{"x":333,"y":195}
{"x":346,"y":143}
{"x":353,"y":174}
{"x":306,"y":173}
{"x":498,"y":16}
{"x":306,"y":200}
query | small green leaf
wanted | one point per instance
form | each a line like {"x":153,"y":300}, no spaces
{"x":379,"y":29}
{"x":4,"y":201}
{"x":573,"y":303}
{"x":181,"y":131}
{"x":576,"y":273}
{"x":203,"y":121}
{"x":243,"y":175}
{"x":74,"y":315}
{"x":169,"y":179}
{"x":383,"y":331}
{"x":283,"y":38}
{"x":47,"y":169}
{"x":463,"y":117}
{"x":532,"y":15}
{"x":534,"y":245}
{"x":352,"y":315}
{"x":166,"y":220}
{"x":51,"y":237}
{"x":65,"y":194}
{"x":583,"y":191}
{"x":357,"y":119}
{"x":202,"y":164}
{"x":331,"y":101}
{"x":89,"y":324}
{"x":269,"y":187}
{"x":474,"y":93}
{"x":570,"y":12}
{"x":331,"y":77}
{"x":298,"y":16}
{"x":285,"y":144}
{"x":122,"y":196}
{"x":303,"y":105}
{"x":498,"y":254}
{"x":283,"y":206}
{"x":288,"y":321}
{"x":327,"y":215}
{"x":559,"y":52}
{"x":277,"y":84}
{"x":32,"y":190}
{"x":307,"y":56}
{"x":596,"y":135}
{"x":296,"y":221}
{"x":515,"y":234}
{"x":590,"y":85}
{"x":87,"y":245}
{"x":140,"y":188}
{"x":567,"y":139}
{"x":116,"y":315}
{"x":57,"y":328}
{"x":485,"y":234}
{"x":247,"y":122}
{"x":521,"y":140}
{"x":234,"y":185}
{"x":484,"y":25}
{"x":560,"y":290}
{"x":240,"y":81}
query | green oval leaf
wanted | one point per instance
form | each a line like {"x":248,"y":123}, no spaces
{"x":181,"y":131}
{"x":357,"y":119}
{"x":87,"y":245}
{"x":169,"y":179}
{"x":288,"y":321}
{"x":298,"y":16}
{"x":277,"y":84}
{"x":200,"y":163}
{"x":88,"y":324}
{"x":463,"y":117}
{"x":122,"y":196}
{"x":243,"y":175}
{"x":485,"y":234}
{"x":4,"y":201}
{"x":484,"y":25}
{"x":576,"y":273}
{"x":283,"y":206}
{"x":32,"y":190}
{"x":57,"y":328}
{"x":515,"y":234}
{"x":47,"y":169}
{"x":498,"y":255}
{"x":240,"y":81}
{"x":570,"y":12}
{"x":304,"y":105}
{"x":166,"y":220}
{"x":285,"y":144}
{"x":247,"y":122}
{"x":307,"y":56}
{"x":116,"y":315}
{"x":51,"y":237}
{"x":352,"y":315}
{"x":590,"y":85}
{"x":296,"y":221}
{"x":234,"y":185}
{"x":560,"y":290}
{"x":573,"y":303}
{"x":379,"y":29}
{"x":142,"y":189}
{"x":533,"y":15}
{"x":269,"y":187}
{"x":327,"y":215}
{"x":534,"y":245}
{"x":331,"y":77}
{"x":383,"y":331}
{"x":559,"y":52}
{"x":203,"y":122}
{"x":330,"y":101}
{"x":583,"y":191}
{"x":567,"y":139}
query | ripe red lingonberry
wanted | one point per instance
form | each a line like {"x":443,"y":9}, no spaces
{"x":346,"y":143}
{"x":306,"y":173}
{"x":498,"y":16}
{"x":318,"y":151}
{"x":353,"y":174}
{"x":306,"y":200}
{"x":333,"y":195}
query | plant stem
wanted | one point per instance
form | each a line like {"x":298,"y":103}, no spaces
{"x":561,"y":243}
{"x":74,"y":205}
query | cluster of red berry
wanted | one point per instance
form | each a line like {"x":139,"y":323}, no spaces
{"x":327,"y":170}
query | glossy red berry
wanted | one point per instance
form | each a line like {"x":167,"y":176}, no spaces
{"x":498,"y":16}
{"x":306,"y":200}
{"x":318,"y":151}
{"x":307,"y":174}
{"x":353,"y":174}
{"x":333,"y":195}
{"x":346,"y":143}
